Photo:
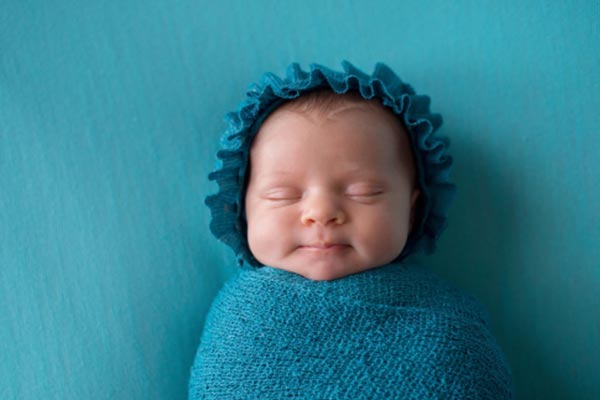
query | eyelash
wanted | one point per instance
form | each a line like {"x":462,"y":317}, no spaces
{"x":281,"y":196}
{"x":366,"y":194}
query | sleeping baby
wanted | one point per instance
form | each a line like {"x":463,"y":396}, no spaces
{"x":328,"y":181}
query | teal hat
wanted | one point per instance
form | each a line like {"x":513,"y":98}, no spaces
{"x":432,"y":161}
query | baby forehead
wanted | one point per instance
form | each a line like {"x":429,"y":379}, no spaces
{"x":348,"y":135}
{"x":348,"y":131}
{"x":326,"y":112}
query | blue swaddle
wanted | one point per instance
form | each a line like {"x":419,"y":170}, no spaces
{"x":394,"y":332}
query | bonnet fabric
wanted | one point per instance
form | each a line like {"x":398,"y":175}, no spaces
{"x":432,"y":162}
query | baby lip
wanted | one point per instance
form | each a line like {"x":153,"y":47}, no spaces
{"x":325,"y":245}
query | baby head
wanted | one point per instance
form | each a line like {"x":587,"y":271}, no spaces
{"x":332,"y":186}
{"x":327,"y":173}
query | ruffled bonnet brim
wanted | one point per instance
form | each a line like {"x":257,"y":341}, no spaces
{"x":432,"y":161}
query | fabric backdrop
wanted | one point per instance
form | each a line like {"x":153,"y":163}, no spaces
{"x":110,"y":112}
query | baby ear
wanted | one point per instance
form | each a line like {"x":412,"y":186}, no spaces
{"x":413,"y":202}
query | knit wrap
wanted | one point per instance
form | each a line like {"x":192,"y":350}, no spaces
{"x":394,"y":332}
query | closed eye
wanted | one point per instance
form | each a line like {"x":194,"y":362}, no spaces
{"x":365,"y":194}
{"x":286,"y":198}
{"x":281,"y":195}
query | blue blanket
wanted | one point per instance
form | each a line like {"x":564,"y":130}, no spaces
{"x":394,"y":332}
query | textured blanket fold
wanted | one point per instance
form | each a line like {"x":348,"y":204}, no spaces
{"x":394,"y":332}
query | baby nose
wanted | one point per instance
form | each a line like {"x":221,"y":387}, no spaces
{"x":322,"y":210}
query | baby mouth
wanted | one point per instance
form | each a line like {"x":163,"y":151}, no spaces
{"x":325,"y":246}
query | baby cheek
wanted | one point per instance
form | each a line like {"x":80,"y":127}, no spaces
{"x":268,"y":234}
{"x":384,"y":234}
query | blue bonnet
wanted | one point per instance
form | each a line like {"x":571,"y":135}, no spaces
{"x":433,"y":163}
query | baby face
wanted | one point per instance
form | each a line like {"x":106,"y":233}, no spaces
{"x":329,"y":195}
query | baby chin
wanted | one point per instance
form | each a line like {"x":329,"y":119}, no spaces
{"x":324,"y":262}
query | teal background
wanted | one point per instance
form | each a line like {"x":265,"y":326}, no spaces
{"x":110,"y":112}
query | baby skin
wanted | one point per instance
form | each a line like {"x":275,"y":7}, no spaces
{"x":331,"y":190}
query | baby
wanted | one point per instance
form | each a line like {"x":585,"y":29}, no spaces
{"x":328,"y":181}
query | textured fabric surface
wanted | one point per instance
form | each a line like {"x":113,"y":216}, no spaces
{"x":395,"y":332}
{"x":432,"y":161}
